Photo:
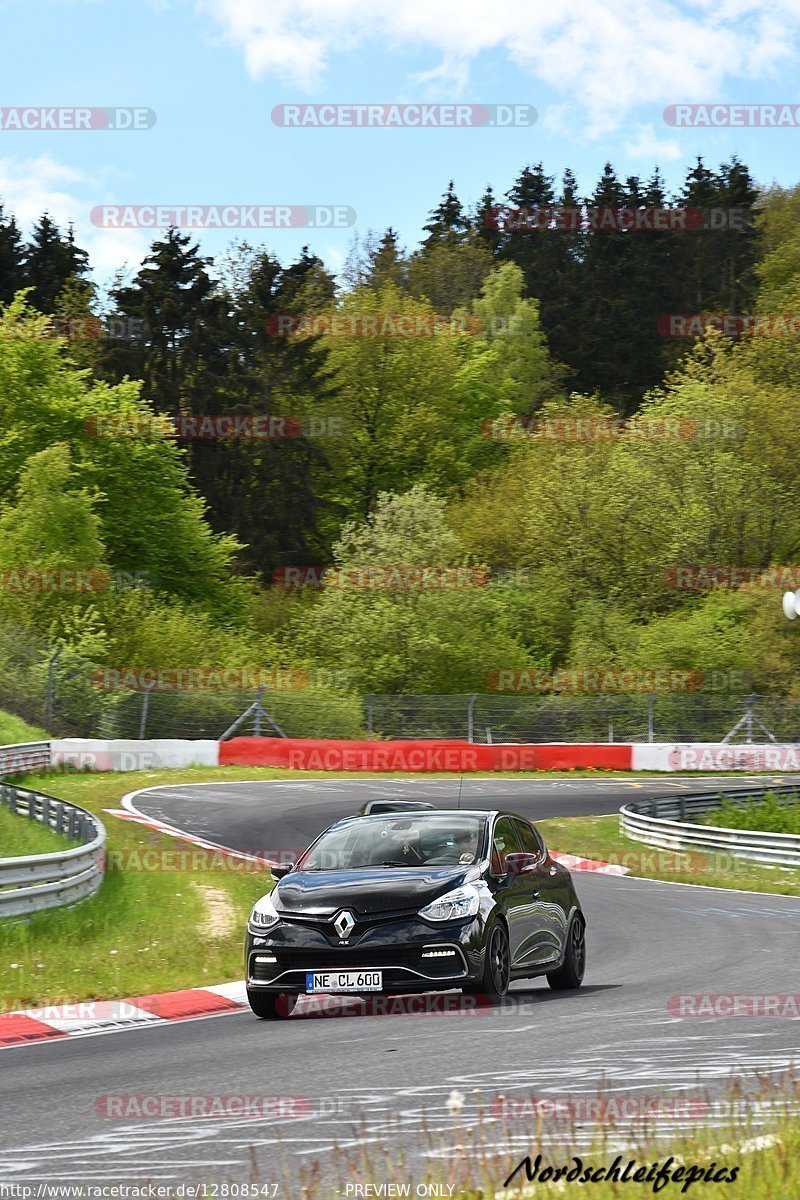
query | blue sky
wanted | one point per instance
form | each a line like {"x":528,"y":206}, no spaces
{"x":599,"y":75}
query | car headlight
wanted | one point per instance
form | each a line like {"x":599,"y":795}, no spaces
{"x":453,"y":906}
{"x":264,"y":913}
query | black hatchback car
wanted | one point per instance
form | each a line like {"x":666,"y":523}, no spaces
{"x":415,"y":901}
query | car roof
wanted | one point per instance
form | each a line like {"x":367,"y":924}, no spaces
{"x":422,"y":813}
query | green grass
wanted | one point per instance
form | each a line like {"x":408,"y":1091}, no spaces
{"x":600,"y":838}
{"x":145,"y":931}
{"x":769,"y":815}
{"x":19,"y":835}
{"x":14,"y":729}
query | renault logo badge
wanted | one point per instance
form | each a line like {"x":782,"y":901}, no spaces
{"x":344,"y":925}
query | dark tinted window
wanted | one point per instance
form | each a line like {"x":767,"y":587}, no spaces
{"x":396,"y":840}
{"x":531,"y":842}
{"x":504,"y":841}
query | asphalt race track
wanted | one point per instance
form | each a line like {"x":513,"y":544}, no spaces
{"x":647,"y":942}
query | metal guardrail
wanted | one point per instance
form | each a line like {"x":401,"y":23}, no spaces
{"x":35,"y":882}
{"x":662,"y":822}
{"x":24,"y":757}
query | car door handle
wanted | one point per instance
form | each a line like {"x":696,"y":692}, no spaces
{"x":536,"y":893}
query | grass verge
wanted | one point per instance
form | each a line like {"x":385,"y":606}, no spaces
{"x":14,"y":729}
{"x":147,"y":930}
{"x":19,"y":836}
{"x":601,"y":838}
{"x":769,"y":816}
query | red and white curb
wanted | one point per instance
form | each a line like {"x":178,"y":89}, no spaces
{"x":574,"y":863}
{"x":48,"y":1022}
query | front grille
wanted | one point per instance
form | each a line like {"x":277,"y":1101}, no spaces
{"x":345,"y":957}
{"x":353,"y":958}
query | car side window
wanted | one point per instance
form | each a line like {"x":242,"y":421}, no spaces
{"x":504,"y":841}
{"x":529,"y":838}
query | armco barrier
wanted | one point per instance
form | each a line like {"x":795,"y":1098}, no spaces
{"x":307,"y":754}
{"x":666,"y":822}
{"x":24,"y":757}
{"x":38,"y":881}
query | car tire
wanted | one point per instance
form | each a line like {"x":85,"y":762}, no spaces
{"x":570,"y":973}
{"x":496,"y":967}
{"x":271,"y":1006}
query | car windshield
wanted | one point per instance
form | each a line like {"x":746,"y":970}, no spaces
{"x":397,"y":841}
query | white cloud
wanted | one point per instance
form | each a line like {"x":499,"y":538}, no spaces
{"x":30,"y":187}
{"x":606,"y":57}
{"x":647,"y":145}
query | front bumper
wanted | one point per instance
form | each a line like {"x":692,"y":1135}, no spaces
{"x":412,"y":954}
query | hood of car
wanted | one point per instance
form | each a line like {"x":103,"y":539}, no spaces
{"x":368,"y":890}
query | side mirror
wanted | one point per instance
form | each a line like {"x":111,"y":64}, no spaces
{"x":278,"y":870}
{"x":521,"y":864}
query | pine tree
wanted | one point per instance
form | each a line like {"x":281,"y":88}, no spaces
{"x":11,"y":258}
{"x":548,"y":257}
{"x":487,"y":221}
{"x":51,"y":261}
{"x":173,"y":301}
{"x":388,"y":263}
{"x":448,"y":223}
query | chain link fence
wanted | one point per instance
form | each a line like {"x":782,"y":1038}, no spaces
{"x":55,"y":690}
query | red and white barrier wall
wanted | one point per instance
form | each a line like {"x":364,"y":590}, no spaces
{"x":312,"y":754}
{"x":97,"y":754}
{"x":713,"y":756}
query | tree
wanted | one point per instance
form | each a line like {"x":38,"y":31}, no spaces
{"x":12,"y":278}
{"x":151,"y":520}
{"x":51,"y":536}
{"x":508,"y":361}
{"x":51,"y":262}
{"x":175,"y":302}
{"x":448,"y":224}
{"x":402,"y":637}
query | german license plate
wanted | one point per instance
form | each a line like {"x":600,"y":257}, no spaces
{"x":344,"y":981}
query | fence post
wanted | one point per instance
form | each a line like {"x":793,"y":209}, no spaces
{"x":471,"y":718}
{"x":651,"y":699}
{"x":370,"y":713}
{"x":145,"y":709}
{"x":48,"y":710}
{"x":257,"y":714}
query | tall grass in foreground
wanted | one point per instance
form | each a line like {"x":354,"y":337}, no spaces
{"x":472,"y":1157}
